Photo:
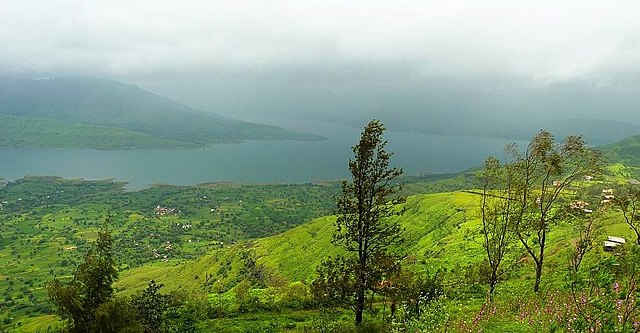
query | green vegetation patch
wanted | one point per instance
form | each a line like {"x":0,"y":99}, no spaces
{"x":46,"y":133}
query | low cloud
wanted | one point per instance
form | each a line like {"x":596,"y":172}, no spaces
{"x":344,"y":59}
{"x":541,"y":41}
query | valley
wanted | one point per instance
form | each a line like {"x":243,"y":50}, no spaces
{"x":204,"y":241}
{"x":319,"y":166}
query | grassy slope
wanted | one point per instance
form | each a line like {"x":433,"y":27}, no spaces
{"x":294,"y":254}
{"x":437,"y":228}
{"x":624,"y":156}
{"x":437,"y":236}
{"x":48,"y":223}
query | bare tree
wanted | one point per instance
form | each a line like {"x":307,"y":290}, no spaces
{"x":497,"y":214}
{"x":628,"y":200}
{"x":541,"y":185}
{"x":587,"y":227}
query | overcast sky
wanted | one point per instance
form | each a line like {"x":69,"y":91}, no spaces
{"x":210,"y":54}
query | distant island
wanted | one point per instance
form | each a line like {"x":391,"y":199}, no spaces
{"x":105,"y":114}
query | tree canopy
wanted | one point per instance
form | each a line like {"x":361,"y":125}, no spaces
{"x":362,"y":227}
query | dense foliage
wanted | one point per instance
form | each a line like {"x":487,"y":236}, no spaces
{"x":91,"y":286}
{"x":362,"y":228}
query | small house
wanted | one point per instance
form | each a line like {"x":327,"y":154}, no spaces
{"x":612,"y":242}
{"x":607,"y":195}
{"x":580,"y":205}
{"x":607,"y":192}
{"x":161,"y":211}
{"x":618,"y":240}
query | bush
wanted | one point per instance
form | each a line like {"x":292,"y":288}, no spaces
{"x":295,"y":296}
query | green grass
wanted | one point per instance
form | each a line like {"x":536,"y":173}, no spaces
{"x":36,"y":324}
{"x":437,"y":236}
{"x":48,"y":224}
{"x":289,"y":321}
{"x":624,"y":156}
{"x":47,"y":133}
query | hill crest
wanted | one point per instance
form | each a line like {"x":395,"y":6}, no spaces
{"x":143,"y":115}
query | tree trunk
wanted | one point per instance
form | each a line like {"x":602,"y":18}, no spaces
{"x":393,"y":309}
{"x":536,"y":286}
{"x":540,"y":261}
{"x":359,"y":307}
{"x":362,"y":284}
{"x":493,"y":281}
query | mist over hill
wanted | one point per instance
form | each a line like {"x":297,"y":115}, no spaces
{"x":493,"y":108}
{"x":100,"y":113}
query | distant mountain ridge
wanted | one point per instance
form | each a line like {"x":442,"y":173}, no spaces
{"x":125,"y":114}
{"x":624,"y":156}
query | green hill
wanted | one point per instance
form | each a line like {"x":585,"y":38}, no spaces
{"x":46,"y":224}
{"x":439,"y":234}
{"x":123,"y":115}
{"x":624,"y":155}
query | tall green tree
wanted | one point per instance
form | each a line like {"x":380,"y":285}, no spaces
{"x":150,"y":307}
{"x":362,"y":227}
{"x":543,"y":178}
{"x":91,"y":286}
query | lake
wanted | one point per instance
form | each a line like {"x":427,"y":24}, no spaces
{"x":251,"y":162}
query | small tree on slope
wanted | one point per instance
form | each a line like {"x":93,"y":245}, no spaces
{"x":541,"y":187}
{"x":91,"y":285}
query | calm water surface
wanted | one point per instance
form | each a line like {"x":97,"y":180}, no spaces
{"x":250,"y":162}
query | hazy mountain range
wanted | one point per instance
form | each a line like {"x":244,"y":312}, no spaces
{"x":105,"y":114}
